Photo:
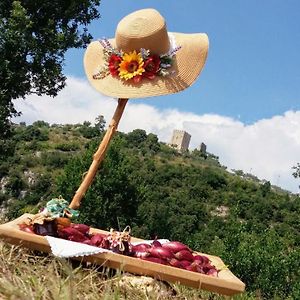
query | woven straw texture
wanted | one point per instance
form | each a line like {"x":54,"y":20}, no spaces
{"x":147,"y":29}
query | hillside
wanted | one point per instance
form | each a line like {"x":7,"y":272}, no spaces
{"x":190,"y":197}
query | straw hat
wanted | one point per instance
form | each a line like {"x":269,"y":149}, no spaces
{"x":145,"y":60}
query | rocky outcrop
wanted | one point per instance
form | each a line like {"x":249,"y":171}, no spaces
{"x":30,"y":176}
{"x":4,"y":181}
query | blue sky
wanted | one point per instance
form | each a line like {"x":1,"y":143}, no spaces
{"x":253,"y":67}
{"x":245,"y":106}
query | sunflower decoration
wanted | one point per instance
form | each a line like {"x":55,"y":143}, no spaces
{"x":134,"y":66}
{"x":131,"y":66}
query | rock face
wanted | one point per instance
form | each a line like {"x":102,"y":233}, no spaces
{"x":221,"y":211}
{"x":38,"y":154}
{"x":30,"y":176}
{"x":147,"y":285}
{"x":22,"y":194}
{"x":4,"y":181}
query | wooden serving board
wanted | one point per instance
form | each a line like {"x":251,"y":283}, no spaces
{"x":226,"y":283}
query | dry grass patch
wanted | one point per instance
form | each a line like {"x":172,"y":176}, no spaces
{"x":26,"y":274}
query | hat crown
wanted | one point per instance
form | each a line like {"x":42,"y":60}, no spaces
{"x":144,"y":28}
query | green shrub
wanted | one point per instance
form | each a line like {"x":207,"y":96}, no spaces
{"x":30,"y":161}
{"x":3,"y":198}
{"x":67,"y":146}
{"x":33,"y":133}
{"x":40,"y":123}
{"x":263,"y":261}
{"x":15,"y":185}
{"x":4,"y":168}
{"x":54,"y":159}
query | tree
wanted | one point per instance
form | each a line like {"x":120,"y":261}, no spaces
{"x":112,"y":199}
{"x":100,"y":123}
{"x":89,"y":131}
{"x":265,"y":188}
{"x":296,"y":172}
{"x":136,"y":137}
{"x":39,"y":124}
{"x":151,"y":143}
{"x":34,"y":37}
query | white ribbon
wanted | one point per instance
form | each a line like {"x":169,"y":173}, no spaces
{"x":172,"y":40}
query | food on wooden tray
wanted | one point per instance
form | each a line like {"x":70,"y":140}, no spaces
{"x":179,"y":255}
{"x":174,"y":253}
{"x":54,"y":220}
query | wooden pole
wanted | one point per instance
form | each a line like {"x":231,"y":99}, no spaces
{"x":99,"y":155}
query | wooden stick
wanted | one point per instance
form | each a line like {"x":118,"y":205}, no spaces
{"x":99,"y":155}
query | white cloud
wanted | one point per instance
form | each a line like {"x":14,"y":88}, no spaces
{"x":268,"y":148}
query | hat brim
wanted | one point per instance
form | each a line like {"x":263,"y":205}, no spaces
{"x":188,"y":64}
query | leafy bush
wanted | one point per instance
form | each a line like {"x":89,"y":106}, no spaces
{"x":54,"y":159}
{"x":15,"y":185}
{"x":30,"y":161}
{"x":89,"y":131}
{"x":39,"y":193}
{"x":263,"y":261}
{"x":33,"y":133}
{"x":4,"y":168}
{"x":7,"y":148}
{"x":40,"y":123}
{"x":3,"y":198}
{"x":111,"y":200}
{"x":67,"y":146}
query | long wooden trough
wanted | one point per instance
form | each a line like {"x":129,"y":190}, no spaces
{"x":226,"y":283}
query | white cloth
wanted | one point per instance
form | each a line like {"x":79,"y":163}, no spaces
{"x":65,"y":248}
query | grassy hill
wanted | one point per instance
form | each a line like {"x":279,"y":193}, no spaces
{"x":190,"y":197}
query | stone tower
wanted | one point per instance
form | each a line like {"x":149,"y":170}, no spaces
{"x":202,"y":148}
{"x":180,"y":140}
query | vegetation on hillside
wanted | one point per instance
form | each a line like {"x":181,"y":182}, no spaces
{"x":161,"y":193}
